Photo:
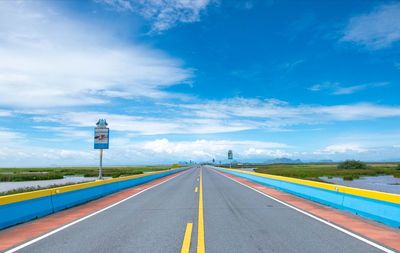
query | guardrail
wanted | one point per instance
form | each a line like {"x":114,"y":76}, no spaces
{"x":22,"y":207}
{"x":379,"y":206}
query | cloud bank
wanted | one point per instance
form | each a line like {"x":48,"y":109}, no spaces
{"x":224,"y":116}
{"x":51,"y":59}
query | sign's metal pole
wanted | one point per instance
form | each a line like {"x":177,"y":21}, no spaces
{"x":101,"y":165}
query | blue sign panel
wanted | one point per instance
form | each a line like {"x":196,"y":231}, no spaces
{"x":230,"y":155}
{"x":101,"y":138}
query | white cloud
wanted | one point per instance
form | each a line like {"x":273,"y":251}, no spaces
{"x":157,"y":151}
{"x":4,"y":113}
{"x":39,"y":156}
{"x":67,"y":132}
{"x":349,"y":90}
{"x":377,"y":29}
{"x":7,"y":136}
{"x":337,"y":89}
{"x":265,"y":153}
{"x":119,"y":5}
{"x":127,"y":151}
{"x":230,"y":115}
{"x":52,"y":59}
{"x":148,"y":125}
{"x":356,"y":112}
{"x":163,"y":14}
{"x":19,"y":149}
{"x":208,"y":149}
{"x":342,"y":148}
{"x":276,"y":114}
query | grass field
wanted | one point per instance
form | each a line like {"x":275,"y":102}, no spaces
{"x":27,"y":174}
{"x":314,"y":171}
{"x":32,"y":188}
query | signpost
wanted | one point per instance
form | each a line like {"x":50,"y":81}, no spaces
{"x":101,"y":141}
{"x":230,"y":157}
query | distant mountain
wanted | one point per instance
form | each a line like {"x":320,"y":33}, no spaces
{"x":283,"y":160}
{"x":325,"y":161}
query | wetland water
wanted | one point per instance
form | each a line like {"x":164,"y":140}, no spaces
{"x":378,"y":183}
{"x":7,"y":186}
{"x":384,"y":183}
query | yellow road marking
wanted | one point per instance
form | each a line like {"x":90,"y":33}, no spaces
{"x":195,"y":189}
{"x":187,"y":238}
{"x":200,"y":223}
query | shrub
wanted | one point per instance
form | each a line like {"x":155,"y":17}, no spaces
{"x":348,"y":178}
{"x":398,"y":167}
{"x":352,"y":165}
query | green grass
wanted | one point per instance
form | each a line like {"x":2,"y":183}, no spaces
{"x":27,"y":174}
{"x":314,"y":171}
{"x":32,"y":188}
{"x":17,"y":177}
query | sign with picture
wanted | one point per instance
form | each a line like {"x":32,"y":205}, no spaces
{"x":101,"y":135}
{"x":230,"y":155}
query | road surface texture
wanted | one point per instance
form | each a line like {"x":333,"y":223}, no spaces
{"x":236,"y":219}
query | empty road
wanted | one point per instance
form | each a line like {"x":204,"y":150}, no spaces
{"x":199,"y":210}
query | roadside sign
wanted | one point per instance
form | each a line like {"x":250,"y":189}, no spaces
{"x":230,"y":155}
{"x":101,"y":138}
{"x":101,"y":141}
{"x":101,"y":135}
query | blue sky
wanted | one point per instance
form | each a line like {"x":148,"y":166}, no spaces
{"x":180,"y":80}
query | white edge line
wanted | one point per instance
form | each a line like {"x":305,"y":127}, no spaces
{"x":82,"y":219}
{"x":317,"y":218}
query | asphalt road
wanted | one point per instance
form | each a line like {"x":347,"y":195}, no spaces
{"x":236,"y":219}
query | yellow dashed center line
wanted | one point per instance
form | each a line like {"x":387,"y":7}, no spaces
{"x":200,"y":223}
{"x":187,"y":238}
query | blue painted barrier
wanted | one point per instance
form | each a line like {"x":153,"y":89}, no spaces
{"x":382,"y":211}
{"x":73,"y":198}
{"x":18,"y":212}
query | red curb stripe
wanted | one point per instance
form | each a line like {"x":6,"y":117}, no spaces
{"x":19,"y":234}
{"x":377,"y":232}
